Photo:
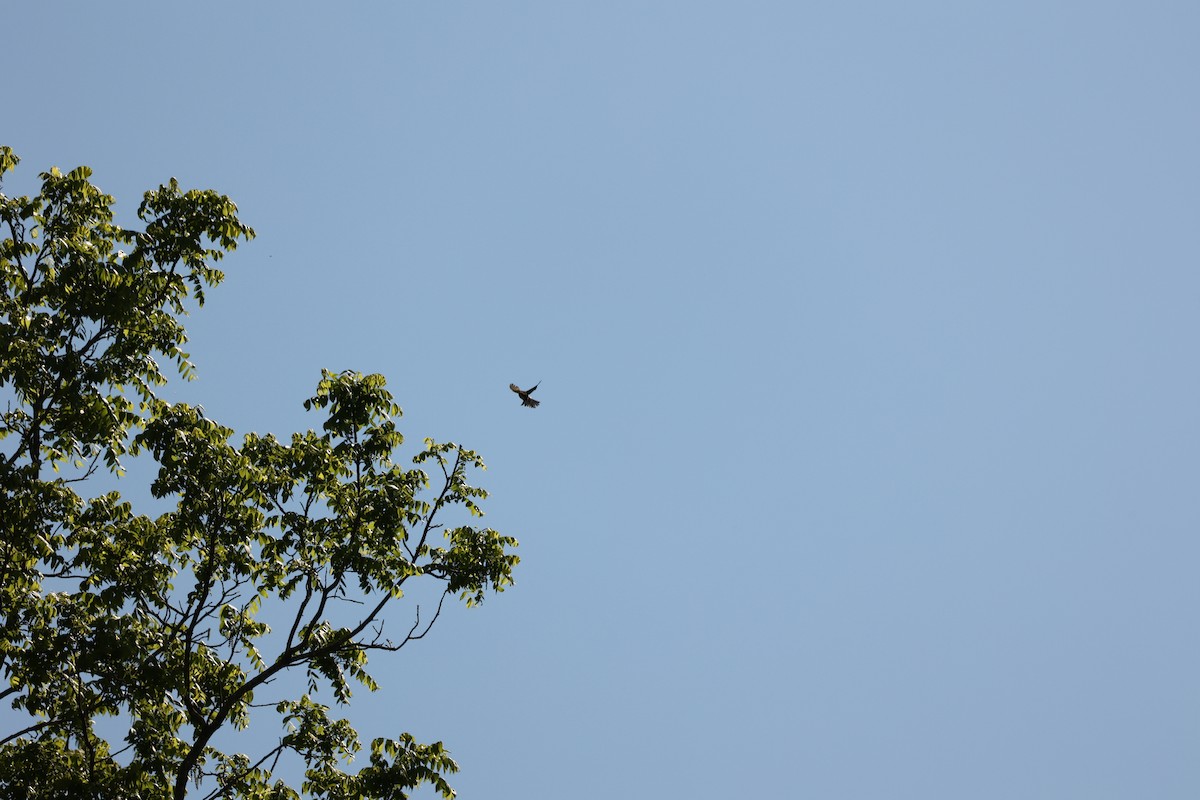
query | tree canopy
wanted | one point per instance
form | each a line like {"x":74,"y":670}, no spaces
{"x":273,"y":556}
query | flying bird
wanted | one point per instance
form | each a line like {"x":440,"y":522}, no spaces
{"x":526,"y":400}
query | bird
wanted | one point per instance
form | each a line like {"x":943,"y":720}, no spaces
{"x":526,"y":400}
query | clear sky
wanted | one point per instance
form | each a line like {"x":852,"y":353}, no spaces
{"x":868,"y":457}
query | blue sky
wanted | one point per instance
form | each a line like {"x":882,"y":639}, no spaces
{"x":867,"y":459}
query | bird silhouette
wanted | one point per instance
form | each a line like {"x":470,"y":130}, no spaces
{"x":526,"y":400}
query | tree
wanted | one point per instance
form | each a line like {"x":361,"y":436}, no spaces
{"x":163,"y":623}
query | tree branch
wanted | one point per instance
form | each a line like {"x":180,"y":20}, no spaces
{"x":30,"y":729}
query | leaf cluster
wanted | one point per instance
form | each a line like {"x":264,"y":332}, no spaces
{"x":275,"y":556}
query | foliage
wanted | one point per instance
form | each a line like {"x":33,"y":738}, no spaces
{"x":161,"y":622}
